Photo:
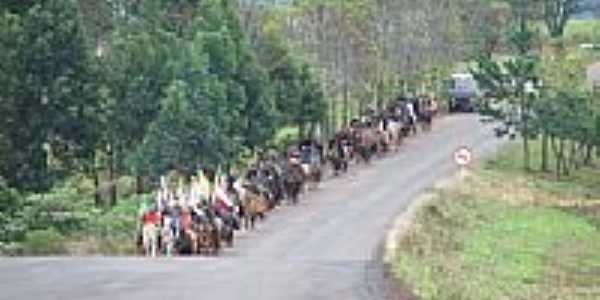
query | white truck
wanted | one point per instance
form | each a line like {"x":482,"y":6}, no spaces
{"x":462,"y":91}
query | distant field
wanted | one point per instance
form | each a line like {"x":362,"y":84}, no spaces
{"x":506,"y":235}
{"x":583,"y":31}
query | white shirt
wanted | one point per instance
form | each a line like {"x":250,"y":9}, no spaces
{"x":411,"y":110}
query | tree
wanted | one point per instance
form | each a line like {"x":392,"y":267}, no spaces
{"x":218,"y":102}
{"x":557,"y":13}
{"x":18,"y":7}
{"x":259,"y":113}
{"x":138,"y":64}
{"x":512,"y":81}
{"x":568,"y":112}
{"x":45,"y":108}
{"x":173,"y":141}
{"x":508,"y":81}
{"x":311,"y":104}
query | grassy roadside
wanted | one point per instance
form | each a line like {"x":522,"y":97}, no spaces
{"x":506,"y":235}
{"x":65,"y":221}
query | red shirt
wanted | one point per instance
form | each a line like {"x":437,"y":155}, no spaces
{"x":185,"y":219}
{"x":151,"y":217}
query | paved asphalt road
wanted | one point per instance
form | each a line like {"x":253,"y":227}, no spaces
{"x":324,"y":248}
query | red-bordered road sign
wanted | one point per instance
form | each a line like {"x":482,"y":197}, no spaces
{"x":463,"y":156}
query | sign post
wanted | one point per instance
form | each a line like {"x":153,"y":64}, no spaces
{"x":463,"y":157}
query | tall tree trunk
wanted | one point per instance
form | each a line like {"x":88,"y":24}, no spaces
{"x":526,"y":152}
{"x":573,"y":163}
{"x":564,"y":159}
{"x":545,"y":153}
{"x":301,"y":130}
{"x":589,"y":149}
{"x":525,"y":133}
{"x":139,"y":184}
{"x":111,"y":176}
{"x":97,"y":195}
{"x":557,"y":155}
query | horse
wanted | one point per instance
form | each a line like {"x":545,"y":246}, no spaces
{"x":208,"y":238}
{"x":313,"y":174}
{"x":253,"y":205}
{"x":187,"y":243}
{"x":224,"y":216}
{"x":311,"y":154}
{"x":271,"y":184}
{"x":226,"y":229}
{"x":199,"y":232}
{"x":337,"y":155}
{"x":383,"y":134}
{"x":293,"y":181}
{"x":426,"y":115}
{"x":167,"y":235}
{"x":394,"y":132}
{"x":368,"y":143}
{"x":408,"y":118}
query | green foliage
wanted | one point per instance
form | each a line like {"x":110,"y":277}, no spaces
{"x":10,"y":204}
{"x":117,"y":223}
{"x":18,"y":6}
{"x":560,"y":109}
{"x":62,"y":209}
{"x":506,"y":82}
{"x":45,"y":109}
{"x":56,"y":222}
{"x":219,"y":101}
{"x":557,"y":14}
{"x":44,"y":242}
{"x":582,"y":31}
{"x":299,"y":99}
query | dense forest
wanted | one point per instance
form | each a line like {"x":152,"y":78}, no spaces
{"x":99,"y":98}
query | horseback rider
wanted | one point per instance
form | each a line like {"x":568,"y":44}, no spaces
{"x":412,"y":115}
{"x":151,"y":220}
{"x":294,"y":176}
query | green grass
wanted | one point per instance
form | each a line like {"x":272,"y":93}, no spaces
{"x":582,"y":183}
{"x":583,"y":31}
{"x":503,"y":235}
{"x":516,"y":246}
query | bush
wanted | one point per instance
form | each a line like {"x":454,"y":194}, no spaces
{"x":74,"y":220}
{"x":44,"y":242}
{"x":119,"y":222}
{"x":10,"y":249}
{"x":63,"y":209}
{"x":78,"y":183}
{"x":10,"y":202}
{"x":126,"y":186}
{"x":10,"y":199}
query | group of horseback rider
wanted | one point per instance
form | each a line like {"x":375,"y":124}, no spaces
{"x":198,"y":217}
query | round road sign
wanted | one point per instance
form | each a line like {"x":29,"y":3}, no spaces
{"x":463,"y":156}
